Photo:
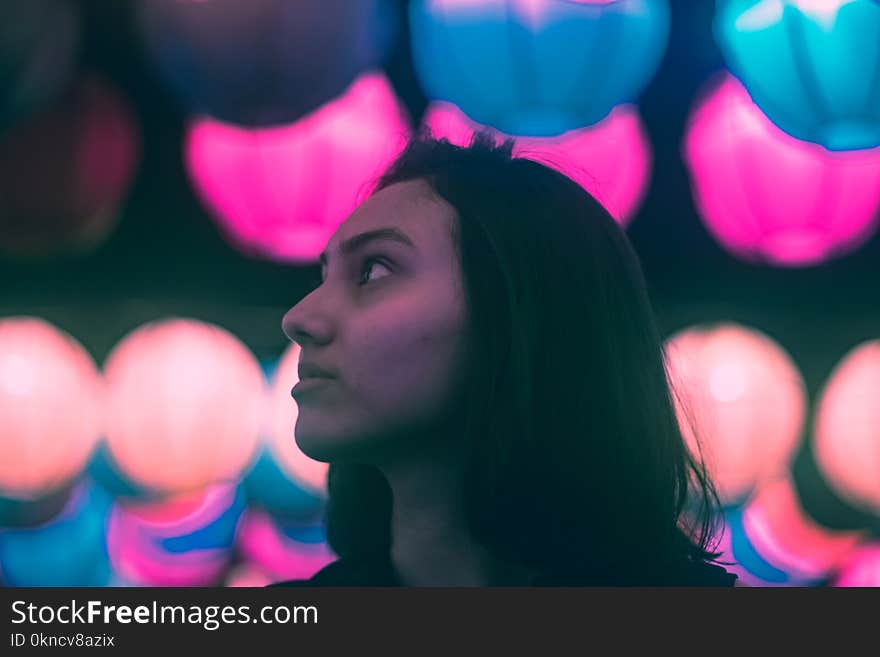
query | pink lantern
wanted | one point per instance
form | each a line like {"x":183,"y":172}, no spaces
{"x":780,"y":529}
{"x":745,"y":399}
{"x":861,"y":569}
{"x":768,"y":196}
{"x":281,"y":192}
{"x":611,"y":159}
{"x":184,"y":405}
{"x":64,"y":173}
{"x":246,"y":575}
{"x":777,"y":542}
{"x":184,"y":540}
{"x":847,"y":428}
{"x":307,"y":473}
{"x":50,"y":407}
{"x":280,"y":556}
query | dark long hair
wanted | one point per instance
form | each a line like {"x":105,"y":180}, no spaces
{"x":576,"y":456}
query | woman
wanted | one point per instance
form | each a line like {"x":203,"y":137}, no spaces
{"x":481,"y":368}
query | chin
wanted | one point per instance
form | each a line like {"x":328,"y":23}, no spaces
{"x":329,"y":446}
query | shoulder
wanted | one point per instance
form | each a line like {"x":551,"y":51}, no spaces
{"x":348,"y":572}
{"x":327,"y":576}
{"x":702,"y":573}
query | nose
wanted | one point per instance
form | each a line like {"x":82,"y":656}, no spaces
{"x":306,"y":324}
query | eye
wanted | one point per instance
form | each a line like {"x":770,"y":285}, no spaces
{"x":367,"y":267}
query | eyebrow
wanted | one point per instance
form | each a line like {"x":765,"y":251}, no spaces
{"x":357,"y":241}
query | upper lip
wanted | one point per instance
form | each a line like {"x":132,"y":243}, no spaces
{"x":312,"y":371}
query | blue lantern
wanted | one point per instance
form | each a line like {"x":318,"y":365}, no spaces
{"x":264,"y":62}
{"x":69,"y":550}
{"x":811,"y":67}
{"x":537,"y":67}
{"x":267,"y":486}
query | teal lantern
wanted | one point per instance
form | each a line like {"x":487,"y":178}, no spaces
{"x":537,"y":67}
{"x":812,"y":66}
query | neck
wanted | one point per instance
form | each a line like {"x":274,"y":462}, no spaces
{"x":431,"y":544}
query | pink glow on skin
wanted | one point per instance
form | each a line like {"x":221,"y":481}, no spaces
{"x":65,"y":171}
{"x":185,"y":401}
{"x":847,"y":427}
{"x":765,"y":195}
{"x":281,"y":192}
{"x":50,"y":407}
{"x":279,"y":556}
{"x":746,"y":398}
{"x":134,"y":532}
{"x":611,"y":160}
{"x":861,"y":569}
{"x":782,"y":532}
{"x":302,"y":470}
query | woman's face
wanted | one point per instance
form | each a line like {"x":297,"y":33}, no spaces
{"x":387,"y":324}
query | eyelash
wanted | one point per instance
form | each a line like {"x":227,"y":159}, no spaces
{"x":317,"y":280}
{"x":368,"y":262}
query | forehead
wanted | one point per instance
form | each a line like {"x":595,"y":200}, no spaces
{"x":411,"y":207}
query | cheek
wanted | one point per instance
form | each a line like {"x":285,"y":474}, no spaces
{"x":408,"y":360}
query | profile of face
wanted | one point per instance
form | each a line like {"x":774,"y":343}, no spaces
{"x":387,"y":327}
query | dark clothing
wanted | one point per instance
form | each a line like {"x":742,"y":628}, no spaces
{"x":379,"y":572}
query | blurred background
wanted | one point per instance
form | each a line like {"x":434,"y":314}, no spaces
{"x":170,"y":170}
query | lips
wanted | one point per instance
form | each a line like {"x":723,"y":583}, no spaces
{"x":308,"y":370}
{"x":309,"y":384}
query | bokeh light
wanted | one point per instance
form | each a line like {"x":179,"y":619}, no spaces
{"x":280,"y":193}
{"x":740,"y":401}
{"x":846,"y":432}
{"x":67,"y":550}
{"x":263,"y":62}
{"x":185,"y":401}
{"x":611,"y":159}
{"x":537,"y":67}
{"x":861,"y":569}
{"x":283,"y":551}
{"x":809,"y":64}
{"x":50,"y":407}
{"x":64,"y":172}
{"x":767,"y":196}
{"x":775,"y":542}
{"x":183,"y":540}
{"x":247,"y":575}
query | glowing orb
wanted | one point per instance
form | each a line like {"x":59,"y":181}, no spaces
{"x":766,"y":196}
{"x":184,"y":405}
{"x":280,"y":193}
{"x":305,"y":472}
{"x":809,"y":65}
{"x":537,"y":67}
{"x":247,"y":575}
{"x":776,"y":543}
{"x":611,"y":160}
{"x":283,"y":551}
{"x":264,"y":62}
{"x":64,"y":173}
{"x":185,"y":540}
{"x":740,"y":400}
{"x":847,"y":428}
{"x":68,"y":550}
{"x":861,"y":569}
{"x":50,"y":407}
